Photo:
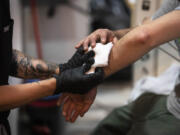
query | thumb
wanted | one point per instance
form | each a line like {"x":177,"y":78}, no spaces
{"x":114,"y":40}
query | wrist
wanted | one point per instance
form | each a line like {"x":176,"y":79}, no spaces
{"x":107,"y":71}
{"x":48,"y":86}
{"x":52,"y":85}
{"x":57,"y":84}
{"x":120,"y":33}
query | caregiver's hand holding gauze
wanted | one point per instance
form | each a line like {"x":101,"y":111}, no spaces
{"x":102,"y":52}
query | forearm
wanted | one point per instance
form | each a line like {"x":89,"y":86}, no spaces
{"x":142,"y":39}
{"x":26,"y":67}
{"x":127,"y":50}
{"x":17,"y":95}
{"x":120,"y":33}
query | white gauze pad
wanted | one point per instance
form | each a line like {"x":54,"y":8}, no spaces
{"x":101,"y":58}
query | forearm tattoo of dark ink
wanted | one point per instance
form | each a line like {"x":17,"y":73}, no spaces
{"x":28,"y":68}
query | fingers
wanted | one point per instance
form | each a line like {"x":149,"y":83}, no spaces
{"x":86,"y":44}
{"x":85,"y":109}
{"x":94,"y":40}
{"x":70,"y":111}
{"x":66,"y":107}
{"x":73,"y":111}
{"x":79,"y":44}
{"x":81,"y":50}
{"x":62,"y":99}
{"x":115,"y":40}
{"x":102,"y":35}
{"x":75,"y":116}
{"x":88,"y":55}
{"x":90,"y":61}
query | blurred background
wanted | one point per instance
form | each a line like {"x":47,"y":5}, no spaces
{"x":49,"y":29}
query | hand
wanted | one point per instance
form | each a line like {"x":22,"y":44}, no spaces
{"x":75,"y":105}
{"x":78,"y":59}
{"x":100,"y":35}
{"x":76,"y":81}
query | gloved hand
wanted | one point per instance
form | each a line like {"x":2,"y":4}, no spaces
{"x":76,"y":81}
{"x":78,"y":59}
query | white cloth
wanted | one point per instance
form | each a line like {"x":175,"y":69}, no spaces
{"x":101,"y":58}
{"x":164,"y":84}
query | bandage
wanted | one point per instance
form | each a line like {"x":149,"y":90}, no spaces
{"x":102,"y":52}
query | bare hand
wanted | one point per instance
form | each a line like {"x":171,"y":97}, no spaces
{"x":100,"y":35}
{"x":75,"y":104}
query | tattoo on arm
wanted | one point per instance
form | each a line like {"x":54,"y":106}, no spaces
{"x":26,"y":67}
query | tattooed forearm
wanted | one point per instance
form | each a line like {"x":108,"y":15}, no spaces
{"x":28,"y":68}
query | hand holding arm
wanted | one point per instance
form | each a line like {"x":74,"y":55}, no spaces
{"x":103,"y":36}
{"x":141,"y":40}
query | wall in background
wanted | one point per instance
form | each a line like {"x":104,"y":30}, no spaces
{"x":58,"y":34}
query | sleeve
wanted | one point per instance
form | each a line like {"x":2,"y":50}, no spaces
{"x":167,"y":6}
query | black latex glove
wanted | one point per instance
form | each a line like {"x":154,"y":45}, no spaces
{"x":78,"y":59}
{"x":76,"y":81}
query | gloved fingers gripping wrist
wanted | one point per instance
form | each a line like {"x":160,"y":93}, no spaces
{"x":71,"y":64}
{"x":88,"y":55}
{"x":79,"y":58}
{"x":76,"y":81}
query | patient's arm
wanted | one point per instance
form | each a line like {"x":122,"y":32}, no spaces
{"x":141,"y":40}
{"x":105,"y":35}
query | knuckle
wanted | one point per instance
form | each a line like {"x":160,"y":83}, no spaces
{"x":93,"y":37}
{"x":100,"y":30}
{"x":86,"y":41}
